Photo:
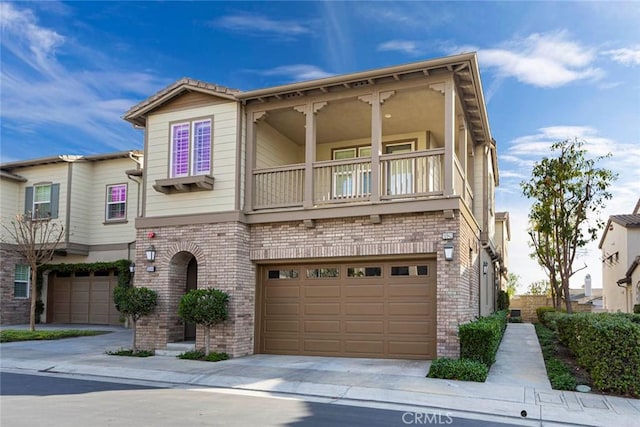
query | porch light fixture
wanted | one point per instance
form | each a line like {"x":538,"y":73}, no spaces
{"x":132,"y":267}
{"x":448,"y":251}
{"x":150,"y":252}
{"x":485,"y":268}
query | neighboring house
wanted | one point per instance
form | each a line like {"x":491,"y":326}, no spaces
{"x":587,"y":295}
{"x":620,"y":245}
{"x":346,"y":216}
{"x":96,"y":202}
{"x":502,"y":239}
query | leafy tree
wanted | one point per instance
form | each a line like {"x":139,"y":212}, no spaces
{"x":541,"y":287}
{"x":36,"y":240}
{"x":565,"y":189}
{"x":135,"y":303}
{"x":206,"y":307}
{"x":512,"y":284}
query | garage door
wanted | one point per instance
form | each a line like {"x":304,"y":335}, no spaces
{"x":364,"y":309}
{"x":82,"y":298}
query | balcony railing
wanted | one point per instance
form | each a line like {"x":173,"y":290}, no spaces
{"x":415,"y":174}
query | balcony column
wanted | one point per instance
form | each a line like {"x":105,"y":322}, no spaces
{"x":449,"y":137}
{"x":463,"y":153}
{"x":376,"y":99}
{"x":309,"y":110}
{"x":249,"y":184}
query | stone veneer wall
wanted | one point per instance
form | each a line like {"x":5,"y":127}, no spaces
{"x":403,"y":234}
{"x":12,"y":310}
{"x":527,"y":305}
{"x":222,"y":253}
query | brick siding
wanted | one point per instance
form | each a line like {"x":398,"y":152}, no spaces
{"x":13,"y":311}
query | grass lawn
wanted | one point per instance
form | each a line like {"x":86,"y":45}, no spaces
{"x":10,"y":335}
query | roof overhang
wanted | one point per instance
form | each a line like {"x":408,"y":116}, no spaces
{"x":63,"y":159}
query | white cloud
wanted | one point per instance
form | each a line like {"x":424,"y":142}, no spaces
{"x":625,"y":56}
{"x":258,"y":24}
{"x":405,"y":46}
{"x":79,"y":108}
{"x":543,"y":60}
{"x":297,"y":72}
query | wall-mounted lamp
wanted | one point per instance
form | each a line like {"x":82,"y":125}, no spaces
{"x":132,"y":267}
{"x":485,"y":268}
{"x":448,"y":251}
{"x":150,"y":253}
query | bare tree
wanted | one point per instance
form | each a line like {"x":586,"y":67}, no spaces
{"x":36,"y":240}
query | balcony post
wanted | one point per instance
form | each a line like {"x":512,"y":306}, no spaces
{"x":249,"y":185}
{"x":449,"y":136}
{"x":309,"y":110}
{"x":463,"y":154}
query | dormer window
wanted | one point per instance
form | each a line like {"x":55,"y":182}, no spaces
{"x":190,"y":148}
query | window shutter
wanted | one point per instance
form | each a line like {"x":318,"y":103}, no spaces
{"x":55,"y":197}
{"x":28,"y":200}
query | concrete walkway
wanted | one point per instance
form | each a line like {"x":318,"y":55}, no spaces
{"x":520,"y":348}
{"x":514,"y":393}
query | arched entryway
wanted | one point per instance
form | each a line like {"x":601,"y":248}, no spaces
{"x":183,"y":277}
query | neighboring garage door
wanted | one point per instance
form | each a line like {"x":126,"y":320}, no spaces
{"x":82,"y":298}
{"x":349,"y":309}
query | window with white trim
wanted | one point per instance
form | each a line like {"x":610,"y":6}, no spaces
{"x":21,"y":281}
{"x":41,"y":201}
{"x":116,"y":208}
{"x":190,"y":148}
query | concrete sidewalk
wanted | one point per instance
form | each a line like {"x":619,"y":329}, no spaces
{"x":513,"y":386}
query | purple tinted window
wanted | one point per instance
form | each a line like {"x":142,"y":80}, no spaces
{"x":117,"y":201}
{"x":180,"y":150}
{"x":202,"y":147}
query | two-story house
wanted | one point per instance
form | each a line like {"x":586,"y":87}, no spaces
{"x":620,"y":246}
{"x":95,"y":199}
{"x":345,"y":216}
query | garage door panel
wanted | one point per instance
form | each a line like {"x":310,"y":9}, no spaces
{"x":409,"y":308}
{"x":364,"y":291}
{"x":417,"y":290}
{"x":274,"y":325}
{"x":282,"y":292}
{"x":282,"y":345}
{"x":280,"y":309}
{"x":322,"y":326}
{"x":364,"y":326}
{"x":322,"y":291}
{"x":376,"y":315}
{"x":364,"y":347}
{"x":84,"y":299}
{"x":322,"y":309}
{"x":364,"y":309}
{"x":322,"y":345}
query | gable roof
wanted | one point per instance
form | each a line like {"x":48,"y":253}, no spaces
{"x":627,"y":221}
{"x":8,"y":167}
{"x":137,"y":114}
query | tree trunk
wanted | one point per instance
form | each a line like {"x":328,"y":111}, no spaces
{"x":567,"y":296}
{"x":207,"y":340}
{"x":133,"y":343}
{"x":34,"y":297}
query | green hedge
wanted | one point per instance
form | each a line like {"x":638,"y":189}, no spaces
{"x":479,"y":340}
{"x":460,"y":369}
{"x":607,"y":345}
{"x":541,"y":311}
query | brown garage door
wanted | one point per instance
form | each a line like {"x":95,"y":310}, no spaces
{"x":363,"y":309}
{"x":82,"y":298}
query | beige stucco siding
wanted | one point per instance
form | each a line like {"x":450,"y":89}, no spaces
{"x":224,"y":158}
{"x":619,"y":249}
{"x":10,"y":201}
{"x":275,"y":149}
{"x":82,"y":206}
{"x":112,"y":172}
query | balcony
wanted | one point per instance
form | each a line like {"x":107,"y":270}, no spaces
{"x":417,"y":174}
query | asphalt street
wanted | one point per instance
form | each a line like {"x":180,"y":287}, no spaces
{"x":50,"y":400}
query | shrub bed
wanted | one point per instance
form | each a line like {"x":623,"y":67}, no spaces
{"x":608,"y":346}
{"x":560,"y":375}
{"x":480,"y":340}
{"x":458,"y":369}
{"x":10,"y":335}
{"x":201,"y":355}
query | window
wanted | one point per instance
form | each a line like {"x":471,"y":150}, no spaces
{"x":41,"y":201}
{"x":400,"y":171}
{"x":410,"y":270}
{"x":283,"y":274}
{"x":116,"y":202}
{"x":352,"y":180}
{"x":364,"y":272}
{"x":21,"y":281}
{"x":190,"y":148}
{"x":322,"y":273}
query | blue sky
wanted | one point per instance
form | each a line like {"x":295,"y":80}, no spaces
{"x":550,"y":71}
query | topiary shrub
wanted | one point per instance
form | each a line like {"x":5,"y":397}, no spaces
{"x":460,"y":369}
{"x":206,"y":307}
{"x":636,"y":308}
{"x":480,"y":340}
{"x":135,"y":303}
